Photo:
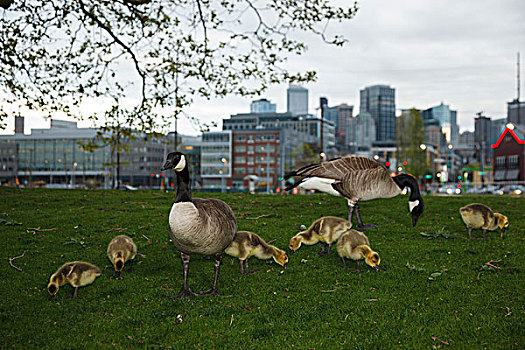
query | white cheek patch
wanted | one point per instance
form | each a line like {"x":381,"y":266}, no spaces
{"x":181,"y":165}
{"x":405,"y":191}
{"x":412,"y":205}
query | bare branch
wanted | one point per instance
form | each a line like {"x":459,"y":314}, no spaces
{"x":124,"y":46}
{"x":16,"y":257}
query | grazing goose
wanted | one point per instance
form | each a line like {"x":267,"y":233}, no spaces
{"x":120,"y":250}
{"x":77,"y":273}
{"x":354,"y":245}
{"x":197,"y":226}
{"x":246,"y":244}
{"x":478,"y":215}
{"x":326,"y":229}
{"x":357,"y":179}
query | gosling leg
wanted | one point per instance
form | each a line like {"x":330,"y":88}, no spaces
{"x":470,"y":233}
{"x":74,"y":295}
{"x":248,"y":269}
{"x":323,"y":250}
{"x":130,"y":266}
{"x":344,"y":264}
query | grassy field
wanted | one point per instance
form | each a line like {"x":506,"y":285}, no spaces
{"x":313,"y":304}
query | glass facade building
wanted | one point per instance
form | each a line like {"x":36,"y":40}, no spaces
{"x":380,"y":102}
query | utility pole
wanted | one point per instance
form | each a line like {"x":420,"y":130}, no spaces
{"x":323,"y":102}
{"x":518,"y":98}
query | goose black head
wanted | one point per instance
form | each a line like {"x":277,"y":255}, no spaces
{"x":416,"y":209}
{"x":175,"y":161}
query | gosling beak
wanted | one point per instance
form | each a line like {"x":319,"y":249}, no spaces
{"x":291,"y":250}
{"x":377,"y":268}
{"x":51,"y":297}
{"x":503,"y":230}
{"x":285,"y":265}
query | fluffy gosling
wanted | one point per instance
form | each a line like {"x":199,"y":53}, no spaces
{"x":120,"y":250}
{"x":246,"y":244}
{"x":478,"y":215}
{"x":354,"y":245}
{"x":77,"y":273}
{"x":326,"y":230}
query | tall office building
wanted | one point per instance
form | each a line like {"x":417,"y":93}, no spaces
{"x":262,"y":106}
{"x":379,"y":101}
{"x":297,"y":100}
{"x":514,"y":114}
{"x":482,"y":137}
{"x":340,"y":116}
{"x":447,"y":120}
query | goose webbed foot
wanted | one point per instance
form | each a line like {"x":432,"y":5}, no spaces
{"x":361,"y":225}
{"x":212,"y":291}
{"x":184,"y":292}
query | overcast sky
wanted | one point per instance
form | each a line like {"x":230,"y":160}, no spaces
{"x":459,"y":52}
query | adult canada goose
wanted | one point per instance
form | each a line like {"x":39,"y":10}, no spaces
{"x":196,"y":225}
{"x":120,"y":250}
{"x":358,"y":179}
{"x":354,"y":245}
{"x":246,"y":244}
{"x":478,"y":215}
{"x":77,"y":273}
{"x":326,"y":230}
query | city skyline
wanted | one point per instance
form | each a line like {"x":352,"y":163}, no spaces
{"x":428,"y":52}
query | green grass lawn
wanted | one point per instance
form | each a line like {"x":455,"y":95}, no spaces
{"x":313,"y":304}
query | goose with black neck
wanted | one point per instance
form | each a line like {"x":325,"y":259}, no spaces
{"x":196,"y":225}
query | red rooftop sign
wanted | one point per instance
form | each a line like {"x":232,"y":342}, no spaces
{"x":521,"y":142}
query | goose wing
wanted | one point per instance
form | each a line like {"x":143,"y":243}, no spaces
{"x":336,"y":168}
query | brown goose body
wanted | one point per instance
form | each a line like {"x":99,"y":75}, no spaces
{"x":477,"y":215}
{"x":202,"y":226}
{"x":355,"y":178}
{"x":358,"y":179}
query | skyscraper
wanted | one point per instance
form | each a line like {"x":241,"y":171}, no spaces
{"x":514,"y":114}
{"x":297,"y":100}
{"x":447,"y":120}
{"x":379,"y":101}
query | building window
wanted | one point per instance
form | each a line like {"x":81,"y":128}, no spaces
{"x":264,"y":149}
{"x":250,"y":149}
{"x":239,"y":159}
{"x":240,"y":137}
{"x":265,"y":137}
{"x":250,"y":161}
{"x":239,"y":170}
{"x":240,"y":149}
{"x":513,"y":161}
{"x":500,"y":162}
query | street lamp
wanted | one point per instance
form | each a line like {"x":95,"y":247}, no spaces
{"x":423,"y":146}
{"x":322,"y":155}
{"x":449,"y":162}
{"x":223,"y":174}
{"x":73,"y":175}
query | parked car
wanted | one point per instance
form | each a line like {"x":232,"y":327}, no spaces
{"x":127,"y":187}
{"x":517,"y":190}
{"x":449,"y":189}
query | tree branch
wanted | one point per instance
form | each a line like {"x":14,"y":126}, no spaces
{"x":16,"y":257}
{"x":124,"y":46}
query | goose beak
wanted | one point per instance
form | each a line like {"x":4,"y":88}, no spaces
{"x":166,"y":166}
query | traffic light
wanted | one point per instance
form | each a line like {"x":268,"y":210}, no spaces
{"x":405,"y":163}
{"x":459,"y":177}
{"x":387,"y":164}
{"x":152,"y":175}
